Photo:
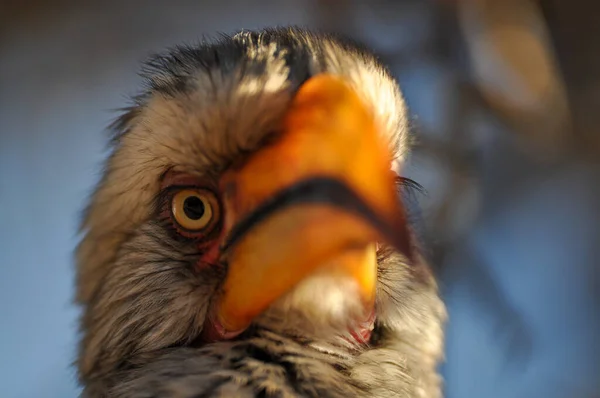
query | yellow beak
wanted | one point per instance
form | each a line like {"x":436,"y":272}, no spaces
{"x":316,"y":199}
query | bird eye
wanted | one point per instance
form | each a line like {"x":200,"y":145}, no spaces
{"x":194,"y":209}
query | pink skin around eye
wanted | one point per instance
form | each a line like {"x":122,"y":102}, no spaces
{"x":174,"y":178}
{"x":213,"y":331}
{"x":211,"y":255}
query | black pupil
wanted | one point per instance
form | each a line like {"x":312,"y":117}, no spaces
{"x":193,"y":207}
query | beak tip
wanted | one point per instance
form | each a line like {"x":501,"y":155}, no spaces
{"x":215,"y":331}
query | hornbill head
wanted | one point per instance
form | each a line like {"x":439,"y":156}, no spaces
{"x":248,"y":237}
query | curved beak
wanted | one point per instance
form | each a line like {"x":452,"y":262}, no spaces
{"x":316,"y":200}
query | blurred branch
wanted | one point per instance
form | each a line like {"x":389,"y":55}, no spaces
{"x":513,"y":65}
{"x":575,"y":33}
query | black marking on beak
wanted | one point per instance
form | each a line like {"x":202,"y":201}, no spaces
{"x":319,"y":190}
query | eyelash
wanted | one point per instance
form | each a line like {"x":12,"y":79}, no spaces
{"x":408,"y":186}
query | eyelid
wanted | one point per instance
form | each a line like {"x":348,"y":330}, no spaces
{"x":174,"y":179}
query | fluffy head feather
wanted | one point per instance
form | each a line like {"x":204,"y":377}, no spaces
{"x":205,"y":108}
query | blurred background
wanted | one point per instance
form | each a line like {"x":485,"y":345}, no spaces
{"x":505,"y":102}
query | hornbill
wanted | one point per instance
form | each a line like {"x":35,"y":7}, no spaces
{"x":248,"y":237}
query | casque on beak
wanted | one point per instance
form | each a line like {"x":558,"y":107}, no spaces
{"x":320,"y":196}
